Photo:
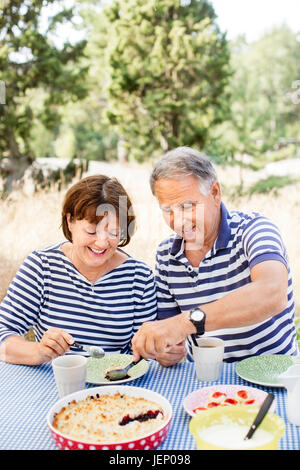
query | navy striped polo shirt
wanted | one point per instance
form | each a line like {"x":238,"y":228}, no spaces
{"x":243,"y":241}
{"x":48,"y":291}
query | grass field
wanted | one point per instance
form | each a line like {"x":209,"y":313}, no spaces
{"x":33,"y":221}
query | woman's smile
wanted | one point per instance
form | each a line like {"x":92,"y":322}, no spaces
{"x":97,"y":252}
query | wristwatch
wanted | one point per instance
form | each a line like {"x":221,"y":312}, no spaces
{"x":197,"y":317}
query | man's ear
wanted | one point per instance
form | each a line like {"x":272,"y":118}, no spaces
{"x":216,"y":193}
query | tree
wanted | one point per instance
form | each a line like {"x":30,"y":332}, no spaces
{"x":167,"y":70}
{"x":29,"y":60}
{"x":263,"y":110}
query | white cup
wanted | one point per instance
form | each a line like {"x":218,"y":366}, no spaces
{"x":69,"y":373}
{"x":208,"y":358}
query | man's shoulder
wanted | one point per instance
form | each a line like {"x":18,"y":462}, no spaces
{"x":243,"y":216}
{"x":166,"y":245}
{"x":250,"y":226}
{"x":243,"y":220}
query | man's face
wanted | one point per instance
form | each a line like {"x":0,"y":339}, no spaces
{"x":193,"y":216}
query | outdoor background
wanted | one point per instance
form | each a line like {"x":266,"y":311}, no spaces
{"x":107,"y":87}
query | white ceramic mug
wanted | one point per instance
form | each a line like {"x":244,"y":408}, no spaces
{"x":69,"y":373}
{"x":208,"y":357}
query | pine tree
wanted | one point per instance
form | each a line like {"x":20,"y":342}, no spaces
{"x":29,"y":60}
{"x":167,"y":72}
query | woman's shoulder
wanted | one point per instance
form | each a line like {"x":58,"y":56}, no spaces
{"x":47,"y":254}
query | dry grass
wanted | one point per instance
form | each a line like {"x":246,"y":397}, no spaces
{"x":33,"y":221}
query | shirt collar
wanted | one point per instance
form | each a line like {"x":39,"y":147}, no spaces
{"x":224,"y":231}
{"x":222,"y":240}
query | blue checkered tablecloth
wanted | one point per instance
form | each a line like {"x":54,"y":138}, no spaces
{"x":27,"y":393}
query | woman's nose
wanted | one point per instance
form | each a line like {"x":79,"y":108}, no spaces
{"x":102,"y":240}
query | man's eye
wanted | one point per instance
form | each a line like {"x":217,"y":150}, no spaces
{"x":188,"y":206}
{"x":113,"y":235}
{"x":167,"y":210}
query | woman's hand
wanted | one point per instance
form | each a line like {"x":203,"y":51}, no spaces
{"x":55,"y":342}
{"x":18,"y":350}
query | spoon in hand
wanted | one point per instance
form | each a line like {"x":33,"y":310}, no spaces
{"x":121,"y":373}
{"x":94,"y":351}
{"x":260,"y":415}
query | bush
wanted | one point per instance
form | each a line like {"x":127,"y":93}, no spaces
{"x":272,"y":183}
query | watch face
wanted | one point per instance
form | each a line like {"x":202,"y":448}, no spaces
{"x":197,"y":315}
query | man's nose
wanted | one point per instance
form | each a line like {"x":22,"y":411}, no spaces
{"x":181,"y":217}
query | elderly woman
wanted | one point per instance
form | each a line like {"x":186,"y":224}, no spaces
{"x":223,"y":273}
{"x":85,"y":289}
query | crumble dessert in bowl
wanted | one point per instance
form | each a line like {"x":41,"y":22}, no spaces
{"x":110,"y":417}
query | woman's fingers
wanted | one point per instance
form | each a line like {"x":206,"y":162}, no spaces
{"x":55,"y":342}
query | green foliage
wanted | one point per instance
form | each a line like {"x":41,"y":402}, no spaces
{"x":30,"y":61}
{"x":262,"y":110}
{"x":166,"y":70}
{"x":297,"y":324}
{"x":272,"y":183}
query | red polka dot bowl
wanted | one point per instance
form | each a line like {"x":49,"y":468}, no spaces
{"x":145,"y":442}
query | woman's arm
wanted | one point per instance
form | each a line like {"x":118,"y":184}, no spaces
{"x":17,"y":350}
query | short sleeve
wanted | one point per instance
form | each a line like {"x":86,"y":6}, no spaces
{"x":262,"y":241}
{"x":20,"y":306}
{"x":145,"y":305}
{"x":166,"y":303}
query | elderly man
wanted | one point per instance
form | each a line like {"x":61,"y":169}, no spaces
{"x":222,"y":273}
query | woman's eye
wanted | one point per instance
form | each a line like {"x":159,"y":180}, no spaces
{"x":91,"y":233}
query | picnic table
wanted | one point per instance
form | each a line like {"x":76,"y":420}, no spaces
{"x":28,"y":392}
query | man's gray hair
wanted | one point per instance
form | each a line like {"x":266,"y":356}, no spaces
{"x":185,"y":161}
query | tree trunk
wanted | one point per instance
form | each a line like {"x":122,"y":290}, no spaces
{"x":122,"y":151}
{"x":13,"y":170}
{"x":13,"y":167}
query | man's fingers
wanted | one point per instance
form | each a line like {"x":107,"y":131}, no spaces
{"x":172,"y":357}
{"x":154,"y":338}
{"x":142,"y":346}
{"x":150,"y":347}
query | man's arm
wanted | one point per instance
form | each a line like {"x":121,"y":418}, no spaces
{"x":264,"y":297}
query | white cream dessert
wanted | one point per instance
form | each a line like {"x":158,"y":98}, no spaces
{"x":231,"y":436}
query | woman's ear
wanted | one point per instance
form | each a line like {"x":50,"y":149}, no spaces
{"x":69,"y":220}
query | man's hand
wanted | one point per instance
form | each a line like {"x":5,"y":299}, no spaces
{"x":174,"y":355}
{"x":160,"y":337}
{"x":55,"y":342}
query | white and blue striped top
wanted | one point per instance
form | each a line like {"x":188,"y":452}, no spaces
{"x":243,"y":241}
{"x":48,"y":291}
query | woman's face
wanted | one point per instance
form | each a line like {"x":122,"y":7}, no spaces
{"x":94,"y":244}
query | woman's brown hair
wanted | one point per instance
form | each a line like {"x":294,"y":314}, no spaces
{"x":91,"y":197}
